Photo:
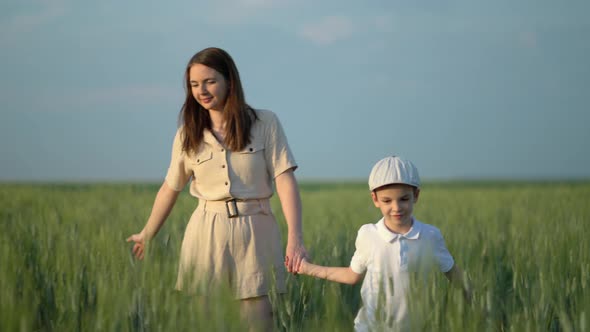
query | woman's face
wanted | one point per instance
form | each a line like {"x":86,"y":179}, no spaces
{"x":208,"y":87}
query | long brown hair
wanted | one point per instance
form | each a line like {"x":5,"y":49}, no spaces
{"x":239,"y":116}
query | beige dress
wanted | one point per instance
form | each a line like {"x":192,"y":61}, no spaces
{"x":242,"y":252}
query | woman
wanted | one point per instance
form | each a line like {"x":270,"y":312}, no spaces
{"x":231,"y":153}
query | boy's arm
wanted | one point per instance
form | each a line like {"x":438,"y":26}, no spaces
{"x":343,"y":275}
{"x":459,"y":279}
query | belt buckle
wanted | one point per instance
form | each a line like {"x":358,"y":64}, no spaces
{"x":232,"y":208}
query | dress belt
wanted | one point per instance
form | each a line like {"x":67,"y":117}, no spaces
{"x":237,"y":207}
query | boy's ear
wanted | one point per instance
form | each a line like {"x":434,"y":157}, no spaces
{"x":374,"y":197}
{"x":416,"y":194}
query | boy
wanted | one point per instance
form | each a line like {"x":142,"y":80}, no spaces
{"x":390,"y":250}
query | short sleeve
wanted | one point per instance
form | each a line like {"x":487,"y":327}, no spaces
{"x":277,"y":152}
{"x":360,"y":258}
{"x":443,"y":256}
{"x":177,"y":175}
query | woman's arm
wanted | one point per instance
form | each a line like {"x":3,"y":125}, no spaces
{"x":163,"y":204}
{"x":344,"y":275}
{"x":288,"y":192}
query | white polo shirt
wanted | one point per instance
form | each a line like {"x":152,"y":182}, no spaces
{"x":388,"y":259}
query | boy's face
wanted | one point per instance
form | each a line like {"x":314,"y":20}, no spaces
{"x":396,"y":203}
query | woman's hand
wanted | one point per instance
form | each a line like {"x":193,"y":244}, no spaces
{"x":163,"y":204}
{"x":139,"y":246}
{"x":296,"y":252}
{"x":303,"y":267}
{"x":288,"y":192}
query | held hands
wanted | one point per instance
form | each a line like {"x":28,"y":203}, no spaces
{"x":302,"y":268}
{"x":296,"y":253}
{"x":139,"y":246}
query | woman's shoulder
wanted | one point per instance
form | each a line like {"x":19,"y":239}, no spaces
{"x":266,"y":122}
{"x":265,"y":116}
{"x":179,"y":134}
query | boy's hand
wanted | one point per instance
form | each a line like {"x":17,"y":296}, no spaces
{"x":299,"y":269}
{"x":294,"y":253}
{"x":302,"y":268}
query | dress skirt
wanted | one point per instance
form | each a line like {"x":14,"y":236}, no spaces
{"x":243,"y":252}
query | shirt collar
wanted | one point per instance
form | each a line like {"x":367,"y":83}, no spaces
{"x":390,"y":236}
{"x":209,"y":138}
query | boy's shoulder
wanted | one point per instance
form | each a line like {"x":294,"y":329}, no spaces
{"x":368,"y":228}
{"x":420,"y":225}
{"x":427,"y":230}
{"x":370,"y":234}
{"x":368,"y":237}
{"x":366,"y":231}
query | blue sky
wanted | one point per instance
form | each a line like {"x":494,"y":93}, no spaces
{"x":90,"y":91}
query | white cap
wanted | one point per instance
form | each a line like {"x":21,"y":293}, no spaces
{"x":392,"y":170}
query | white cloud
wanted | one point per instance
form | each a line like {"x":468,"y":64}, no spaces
{"x":527,"y":39}
{"x":45,"y":12}
{"x":133,"y":94}
{"x":383,"y":23}
{"x":328,"y":30}
{"x":130,"y":97}
{"x":45,"y":15}
{"x":233,"y":12}
{"x":258,"y":3}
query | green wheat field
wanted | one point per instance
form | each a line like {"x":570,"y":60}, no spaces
{"x":65,"y":265}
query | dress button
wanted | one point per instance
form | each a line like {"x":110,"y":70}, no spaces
{"x":251,"y":149}
{"x":226,"y":183}
{"x":222,"y":166}
{"x":222,"y":150}
{"x":198,"y":160}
